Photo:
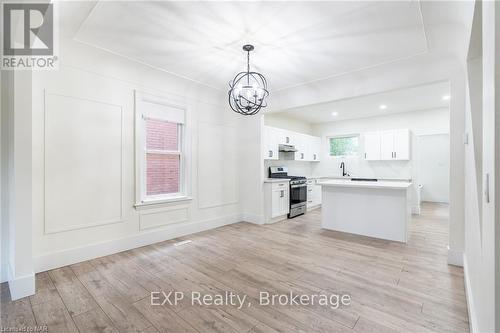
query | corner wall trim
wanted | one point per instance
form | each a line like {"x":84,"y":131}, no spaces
{"x":22,"y":286}
{"x":58,"y":259}
{"x":252,"y":218}
{"x":455,"y":258}
{"x":4,"y":272}
{"x":470,"y":301}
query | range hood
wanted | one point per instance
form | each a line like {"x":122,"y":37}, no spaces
{"x":287,"y":148}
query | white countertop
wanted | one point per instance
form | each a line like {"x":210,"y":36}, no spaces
{"x":355,"y":176}
{"x":276,"y":180}
{"x":364,"y":184}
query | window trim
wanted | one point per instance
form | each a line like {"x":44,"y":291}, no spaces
{"x":141,"y":199}
{"x":351,"y":135}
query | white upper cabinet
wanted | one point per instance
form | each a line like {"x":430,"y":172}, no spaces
{"x":301,"y":146}
{"x":270,"y":146}
{"x":285,"y":137}
{"x":387,"y":145}
{"x":402,"y":144}
{"x":372,"y":146}
{"x":315,"y":148}
{"x":308,"y":147}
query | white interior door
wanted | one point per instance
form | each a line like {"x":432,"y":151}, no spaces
{"x":433,"y":165}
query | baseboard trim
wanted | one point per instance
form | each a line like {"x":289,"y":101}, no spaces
{"x":470,"y":301}
{"x":4,"y":272}
{"x":455,"y":258}
{"x":58,"y":259}
{"x":252,"y":218}
{"x":22,"y":286}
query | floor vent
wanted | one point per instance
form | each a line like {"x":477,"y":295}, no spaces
{"x":183,"y":242}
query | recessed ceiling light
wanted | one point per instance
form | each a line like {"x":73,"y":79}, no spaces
{"x":382,"y":106}
{"x":446,"y":97}
{"x":335,"y":114}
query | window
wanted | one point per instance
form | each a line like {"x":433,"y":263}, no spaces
{"x":344,"y":145}
{"x":160,"y":151}
{"x":163,"y":157}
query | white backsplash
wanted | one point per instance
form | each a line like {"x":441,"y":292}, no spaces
{"x":295,"y":168}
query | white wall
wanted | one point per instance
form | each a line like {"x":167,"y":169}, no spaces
{"x":17,"y":265}
{"x":7,"y":83}
{"x":281,"y":120}
{"x":432,"y":166}
{"x":87,"y":77}
{"x":252,"y":169}
{"x":418,"y":122}
{"x":482,"y":232}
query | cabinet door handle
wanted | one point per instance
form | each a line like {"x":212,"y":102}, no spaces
{"x":314,"y":156}
{"x":394,"y":154}
{"x":365,"y":156}
{"x":270,"y":153}
{"x":282,"y":194}
{"x":301,"y":156}
{"x":287,"y":139}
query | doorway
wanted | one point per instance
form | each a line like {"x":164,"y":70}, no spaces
{"x":433,"y":167}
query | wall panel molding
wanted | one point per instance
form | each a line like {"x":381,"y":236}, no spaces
{"x":217,"y":165}
{"x":162,"y":217}
{"x":63,"y":192}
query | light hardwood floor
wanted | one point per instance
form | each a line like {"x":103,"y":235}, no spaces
{"x":394,"y":287}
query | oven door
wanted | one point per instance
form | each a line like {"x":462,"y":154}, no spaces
{"x":298,"y":195}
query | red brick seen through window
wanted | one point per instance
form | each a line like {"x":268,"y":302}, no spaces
{"x":162,"y":169}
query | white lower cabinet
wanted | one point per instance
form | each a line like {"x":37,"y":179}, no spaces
{"x":277,"y":201}
{"x":313,"y":194}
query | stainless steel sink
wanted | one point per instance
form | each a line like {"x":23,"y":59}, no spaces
{"x":364,"y":179}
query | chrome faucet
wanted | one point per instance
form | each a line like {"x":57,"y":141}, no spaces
{"x":344,"y":173}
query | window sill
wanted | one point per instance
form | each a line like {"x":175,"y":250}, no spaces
{"x":161,"y":202}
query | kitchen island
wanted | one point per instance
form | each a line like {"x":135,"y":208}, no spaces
{"x":380,"y":209}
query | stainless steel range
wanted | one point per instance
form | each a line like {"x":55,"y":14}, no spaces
{"x":298,"y":190}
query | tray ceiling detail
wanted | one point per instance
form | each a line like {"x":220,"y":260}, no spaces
{"x":296,"y":42}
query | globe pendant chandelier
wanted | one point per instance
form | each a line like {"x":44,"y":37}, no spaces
{"x":248,"y":90}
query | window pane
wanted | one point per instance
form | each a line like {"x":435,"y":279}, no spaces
{"x":161,"y":135}
{"x":344,"y":146}
{"x":163,"y":174}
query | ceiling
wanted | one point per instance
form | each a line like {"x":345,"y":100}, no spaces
{"x":424,"y":97}
{"x":296,"y":42}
